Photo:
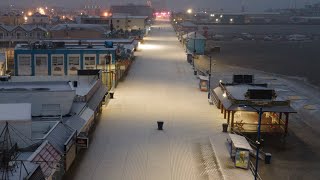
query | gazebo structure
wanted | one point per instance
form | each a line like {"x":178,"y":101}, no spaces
{"x":240,"y":101}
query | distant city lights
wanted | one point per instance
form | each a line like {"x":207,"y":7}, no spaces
{"x":41,"y":11}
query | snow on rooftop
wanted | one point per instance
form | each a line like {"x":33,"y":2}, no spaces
{"x":238,"y":91}
{"x":35,"y":86}
{"x":15,"y":112}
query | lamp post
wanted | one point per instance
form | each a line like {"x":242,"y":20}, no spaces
{"x":209,"y":79}
{"x":260,"y":111}
{"x":194,"y":48}
{"x":187,"y":40}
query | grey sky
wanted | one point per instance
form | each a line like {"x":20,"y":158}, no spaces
{"x":227,"y":5}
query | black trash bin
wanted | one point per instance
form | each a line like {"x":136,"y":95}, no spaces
{"x":267,"y":158}
{"x":225,"y":127}
{"x":111,"y":95}
{"x":160,"y":125}
{"x":195,"y":72}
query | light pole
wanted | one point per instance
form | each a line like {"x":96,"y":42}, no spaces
{"x":194,"y":48}
{"x":209,"y":79}
{"x":258,"y":137}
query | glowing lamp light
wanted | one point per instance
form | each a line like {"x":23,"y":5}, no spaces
{"x":224,"y":94}
{"x":105,"y":14}
{"x":29,"y":13}
{"x":231,"y":20}
{"x":26,"y":18}
{"x":217,"y":20}
{"x":212,"y":15}
{"x":189,"y":11}
{"x":221,"y":15}
{"x":220,"y":81}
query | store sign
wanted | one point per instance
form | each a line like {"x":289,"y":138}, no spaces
{"x":82,"y":142}
{"x":242,"y":159}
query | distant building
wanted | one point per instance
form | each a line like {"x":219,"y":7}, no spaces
{"x":10,"y":35}
{"x":11,"y":19}
{"x":129,"y":23}
{"x":133,"y":10}
{"x":78,"y":31}
{"x":38,"y":19}
{"x":195,"y":42}
{"x":102,"y":20}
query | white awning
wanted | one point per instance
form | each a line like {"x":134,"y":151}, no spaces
{"x":240,"y":142}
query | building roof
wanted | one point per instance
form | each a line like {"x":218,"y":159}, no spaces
{"x":47,"y":156}
{"x":68,"y":47}
{"x":76,"y":123}
{"x":232,"y":104}
{"x":240,"y":142}
{"x":35,"y":86}
{"x":97,"y":97}
{"x":238,"y":91}
{"x":15,"y":112}
{"x":193,"y":35}
{"x":59,"y":135}
{"x":92,"y":27}
{"x":128,"y":17}
{"x":25,"y":27}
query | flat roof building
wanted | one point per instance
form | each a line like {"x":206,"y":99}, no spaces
{"x":38,"y":60}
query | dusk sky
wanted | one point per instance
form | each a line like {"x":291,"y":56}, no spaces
{"x":227,"y":5}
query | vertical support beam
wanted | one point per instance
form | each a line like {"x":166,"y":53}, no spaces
{"x":221,"y":108}
{"x":225,"y":114}
{"x":232,"y":120}
{"x":287,"y":122}
{"x":232,"y":115}
{"x":280,"y":115}
{"x":228,"y":117}
{"x":219,"y":104}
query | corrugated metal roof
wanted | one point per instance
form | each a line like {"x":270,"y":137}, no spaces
{"x":240,"y":142}
{"x":76,"y":122}
{"x":97,"y":97}
{"x":59,"y":135}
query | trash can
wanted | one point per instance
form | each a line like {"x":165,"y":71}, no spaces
{"x":267,"y":158}
{"x":160,"y":125}
{"x":195,"y":72}
{"x":225,"y":127}
{"x":111,"y":94}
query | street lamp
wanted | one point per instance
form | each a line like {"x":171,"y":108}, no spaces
{"x":209,"y":92}
{"x":215,"y":50}
{"x":258,"y":137}
{"x":189,"y":11}
{"x":194,"y":48}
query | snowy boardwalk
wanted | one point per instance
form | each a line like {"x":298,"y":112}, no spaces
{"x":126,"y":144}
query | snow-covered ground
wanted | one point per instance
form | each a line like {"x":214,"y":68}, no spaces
{"x":159,"y":87}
